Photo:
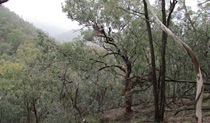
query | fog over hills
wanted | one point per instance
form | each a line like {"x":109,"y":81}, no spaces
{"x":50,"y":18}
{"x":67,"y":36}
{"x":60,"y":34}
{"x":49,"y":29}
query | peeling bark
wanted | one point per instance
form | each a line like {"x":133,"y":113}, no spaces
{"x":199,"y":92}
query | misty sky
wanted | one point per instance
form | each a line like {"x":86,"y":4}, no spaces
{"x":47,"y":14}
{"x":42,"y":13}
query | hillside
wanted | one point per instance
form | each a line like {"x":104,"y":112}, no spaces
{"x":13,"y":31}
{"x":9,"y":20}
{"x":12,"y":24}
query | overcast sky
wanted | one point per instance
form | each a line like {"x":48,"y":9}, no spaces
{"x":42,"y":13}
{"x":46,"y":13}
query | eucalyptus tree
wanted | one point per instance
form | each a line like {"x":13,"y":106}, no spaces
{"x":10,"y":104}
{"x":28,"y":82}
{"x":199,"y":77}
{"x":159,"y":82}
{"x":195,"y":31}
{"x":70,"y":66}
{"x":29,"y":87}
{"x":116,"y":33}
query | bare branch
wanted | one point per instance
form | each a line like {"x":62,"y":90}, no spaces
{"x":191,"y":22}
{"x":171,"y":9}
{"x":3,"y":1}
{"x":112,"y":53}
{"x":131,"y":11}
{"x":112,"y":66}
{"x":108,"y":66}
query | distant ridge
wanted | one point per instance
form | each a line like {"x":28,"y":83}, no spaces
{"x":67,"y":36}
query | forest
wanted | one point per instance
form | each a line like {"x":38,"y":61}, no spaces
{"x":124,"y":68}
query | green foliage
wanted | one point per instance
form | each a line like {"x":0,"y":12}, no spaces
{"x":28,"y":53}
{"x":5,"y":48}
{"x":10,"y":69}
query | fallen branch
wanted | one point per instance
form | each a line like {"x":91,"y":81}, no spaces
{"x":186,"y":81}
{"x":188,"y":108}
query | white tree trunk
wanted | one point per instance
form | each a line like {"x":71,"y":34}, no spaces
{"x":199,"y":92}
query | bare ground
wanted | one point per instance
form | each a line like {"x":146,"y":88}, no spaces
{"x":179,"y":112}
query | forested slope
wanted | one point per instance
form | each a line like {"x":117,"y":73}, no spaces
{"x":14,"y":31}
{"x":106,"y":75}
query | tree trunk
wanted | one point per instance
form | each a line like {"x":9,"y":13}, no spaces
{"x":35,"y":112}
{"x":153,"y":66}
{"x":28,"y":112}
{"x":128,"y":85}
{"x":128,"y":96}
{"x":159,"y":85}
{"x":0,"y":116}
{"x":163,"y":67}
